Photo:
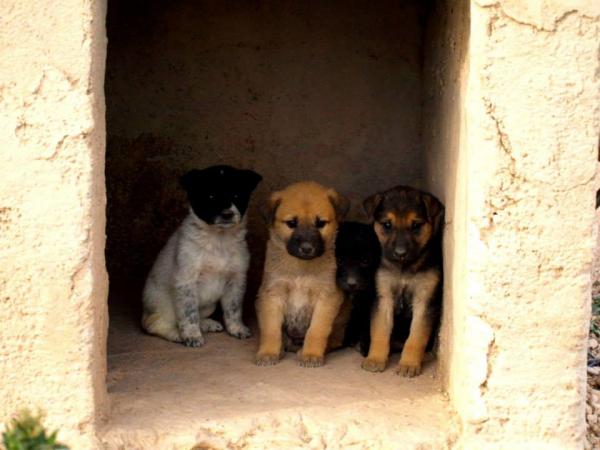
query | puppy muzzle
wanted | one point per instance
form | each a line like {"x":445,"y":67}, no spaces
{"x":349,"y":282}
{"x":305,"y":244}
{"x":228,"y":218}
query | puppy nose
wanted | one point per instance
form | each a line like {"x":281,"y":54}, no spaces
{"x":306,"y":248}
{"x":227,"y":215}
{"x":351,"y":282}
{"x":400,"y":252}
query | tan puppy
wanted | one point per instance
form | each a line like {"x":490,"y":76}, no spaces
{"x":298,"y":295}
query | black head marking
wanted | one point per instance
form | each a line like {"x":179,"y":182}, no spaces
{"x":215,"y":193}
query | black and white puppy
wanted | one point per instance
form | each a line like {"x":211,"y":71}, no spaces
{"x":205,"y":261}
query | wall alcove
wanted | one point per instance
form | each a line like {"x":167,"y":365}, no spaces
{"x":339,"y":92}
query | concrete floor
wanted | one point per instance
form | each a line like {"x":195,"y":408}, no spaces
{"x":164,"y":395}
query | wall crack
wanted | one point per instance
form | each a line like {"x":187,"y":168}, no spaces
{"x":549,"y":27}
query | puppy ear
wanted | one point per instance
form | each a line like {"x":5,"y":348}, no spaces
{"x":371,"y":203}
{"x":435,"y":211}
{"x":269,"y":208}
{"x":190,"y":180}
{"x":340,"y":203}
{"x":250,"y":179}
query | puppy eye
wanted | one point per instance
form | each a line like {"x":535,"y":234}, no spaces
{"x":387,"y":225}
{"x":364,"y":262}
{"x":320,"y":223}
{"x":211,"y":197}
{"x":339,"y":260}
{"x":235,"y":196}
{"x":292,"y":223}
{"x":416,"y":226}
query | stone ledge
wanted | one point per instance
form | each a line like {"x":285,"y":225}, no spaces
{"x":166,"y":396}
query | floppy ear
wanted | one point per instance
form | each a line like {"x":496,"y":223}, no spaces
{"x":371,"y":203}
{"x":190,"y":180}
{"x":250,"y":179}
{"x":435,"y":211}
{"x":341,"y":204}
{"x":268,"y":209}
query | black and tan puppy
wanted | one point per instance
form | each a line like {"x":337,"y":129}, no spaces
{"x":408,"y":224}
{"x":298,"y":295}
{"x":358,"y":254}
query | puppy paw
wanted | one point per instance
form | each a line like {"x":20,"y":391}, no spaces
{"x":210,"y":326}
{"x":194,"y":341}
{"x":266,"y":359}
{"x":310,"y":360}
{"x":408,"y":369}
{"x":374,"y":365}
{"x":240,"y":332}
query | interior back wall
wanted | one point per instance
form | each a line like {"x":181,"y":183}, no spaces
{"x":294,"y":90}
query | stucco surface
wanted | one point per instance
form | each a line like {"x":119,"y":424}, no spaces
{"x":52,"y":273}
{"x":323,"y":90}
{"x":526,"y":148}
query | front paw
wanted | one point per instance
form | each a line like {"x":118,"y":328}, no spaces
{"x":374,"y":365}
{"x":194,"y":341}
{"x":307,"y":360}
{"x":264,"y":359}
{"x":240,"y":332}
{"x":408,"y":369}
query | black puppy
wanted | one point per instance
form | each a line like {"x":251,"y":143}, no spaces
{"x":358,"y":255}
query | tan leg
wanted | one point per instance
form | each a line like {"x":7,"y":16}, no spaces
{"x":414,"y":348}
{"x":269,"y":310}
{"x":420,"y":331}
{"x":382,"y":323}
{"x":326,"y":310}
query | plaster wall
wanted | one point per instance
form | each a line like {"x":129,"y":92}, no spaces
{"x":52,"y":272}
{"x":525,"y":144}
{"x":295,"y":90}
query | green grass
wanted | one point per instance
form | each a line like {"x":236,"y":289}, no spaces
{"x":26,"y":432}
{"x":595,"y":323}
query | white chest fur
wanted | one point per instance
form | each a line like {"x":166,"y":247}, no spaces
{"x":199,"y":253}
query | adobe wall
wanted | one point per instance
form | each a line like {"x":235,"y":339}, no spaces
{"x":525,"y":145}
{"x":52,"y":273}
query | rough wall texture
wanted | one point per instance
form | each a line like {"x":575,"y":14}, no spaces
{"x":518,"y":312}
{"x":52,"y":274}
{"x":295,"y":90}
